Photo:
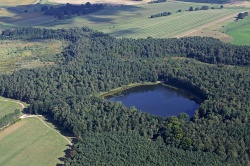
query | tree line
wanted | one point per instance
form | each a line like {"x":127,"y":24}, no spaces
{"x":9,"y":119}
{"x":69,"y":10}
{"x":191,"y":8}
{"x":160,"y":14}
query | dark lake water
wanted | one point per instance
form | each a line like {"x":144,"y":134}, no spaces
{"x":157,"y":100}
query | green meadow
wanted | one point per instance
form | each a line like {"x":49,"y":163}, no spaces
{"x":29,"y":142}
{"x":239,"y":31}
{"x":134,"y":21}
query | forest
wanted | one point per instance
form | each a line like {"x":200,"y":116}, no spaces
{"x":70,"y":10}
{"x":108,"y":132}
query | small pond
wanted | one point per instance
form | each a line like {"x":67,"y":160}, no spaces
{"x":157,"y":99}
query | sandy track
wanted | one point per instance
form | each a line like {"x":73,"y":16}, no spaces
{"x":37,"y":116}
{"x":205,"y":26}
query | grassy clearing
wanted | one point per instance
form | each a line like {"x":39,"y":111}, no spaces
{"x":239,"y":31}
{"x":8,"y":106}
{"x":30,"y":142}
{"x":16,"y":55}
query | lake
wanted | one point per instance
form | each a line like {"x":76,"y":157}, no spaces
{"x":157,"y":99}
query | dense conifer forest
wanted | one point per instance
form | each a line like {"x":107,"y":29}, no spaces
{"x":108,"y":132}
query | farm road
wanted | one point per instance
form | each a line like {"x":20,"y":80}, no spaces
{"x":37,"y":116}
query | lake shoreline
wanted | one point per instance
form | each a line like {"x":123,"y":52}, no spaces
{"x":196,"y":98}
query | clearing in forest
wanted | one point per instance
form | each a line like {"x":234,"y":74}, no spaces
{"x":15,"y":55}
{"x":8,"y":106}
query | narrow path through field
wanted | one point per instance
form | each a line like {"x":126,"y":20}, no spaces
{"x":37,"y":116}
{"x":54,"y":130}
{"x":205,"y":26}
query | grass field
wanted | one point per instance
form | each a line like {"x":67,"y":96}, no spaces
{"x":29,"y":142}
{"x":27,"y":54}
{"x":239,"y":31}
{"x":8,"y":106}
{"x":12,"y":13}
{"x":124,"y":21}
{"x":170,"y":26}
{"x":134,"y":21}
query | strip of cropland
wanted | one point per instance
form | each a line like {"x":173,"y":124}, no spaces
{"x":171,"y":26}
{"x":135,"y":22}
{"x":131,"y":21}
{"x":30,"y":142}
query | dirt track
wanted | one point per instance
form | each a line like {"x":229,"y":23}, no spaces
{"x":36,"y":116}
